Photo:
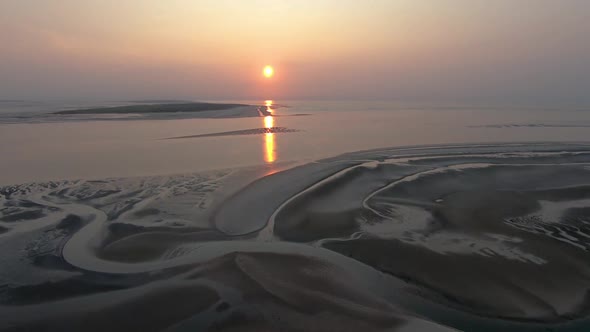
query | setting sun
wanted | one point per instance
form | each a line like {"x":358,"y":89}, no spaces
{"x":268,"y":71}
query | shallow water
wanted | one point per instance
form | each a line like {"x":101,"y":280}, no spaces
{"x":73,"y":147}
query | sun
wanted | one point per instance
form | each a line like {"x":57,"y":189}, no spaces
{"x":268,"y":71}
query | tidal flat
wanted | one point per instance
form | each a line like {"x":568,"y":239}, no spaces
{"x":430,"y":238}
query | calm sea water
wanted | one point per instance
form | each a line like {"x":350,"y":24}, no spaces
{"x":36,"y":148}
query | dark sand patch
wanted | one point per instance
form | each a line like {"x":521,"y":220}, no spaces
{"x":24,"y":215}
{"x":52,"y":291}
{"x":150,"y":309}
{"x":146,"y":212}
{"x":70,"y":223}
{"x":313,"y":226}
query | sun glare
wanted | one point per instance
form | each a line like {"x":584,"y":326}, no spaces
{"x":268,"y":71}
{"x":269,"y":140}
{"x":269,"y":122}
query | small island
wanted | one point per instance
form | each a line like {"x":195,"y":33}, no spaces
{"x":155,"y":108}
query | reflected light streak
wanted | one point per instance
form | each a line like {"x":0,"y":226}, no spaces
{"x":269,"y":148}
{"x":268,"y":104}
{"x":269,"y":122}
{"x":269,"y":140}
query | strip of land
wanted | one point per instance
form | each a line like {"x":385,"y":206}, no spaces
{"x":256,"y":131}
{"x":155,"y":108}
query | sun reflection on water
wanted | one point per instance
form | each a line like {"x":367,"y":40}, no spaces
{"x":269,"y":137}
{"x":269,"y":122}
{"x":269,"y":148}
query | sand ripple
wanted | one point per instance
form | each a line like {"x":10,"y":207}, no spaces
{"x":478,"y":237}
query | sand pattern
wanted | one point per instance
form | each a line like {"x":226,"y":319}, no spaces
{"x":432,"y":238}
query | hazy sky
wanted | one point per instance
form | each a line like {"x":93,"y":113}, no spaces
{"x":454,"y":50}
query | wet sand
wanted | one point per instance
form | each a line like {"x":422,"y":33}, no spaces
{"x":431,"y":238}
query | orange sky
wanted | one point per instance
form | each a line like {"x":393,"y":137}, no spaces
{"x":401,"y":49}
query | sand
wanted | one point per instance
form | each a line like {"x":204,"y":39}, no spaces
{"x":431,"y":238}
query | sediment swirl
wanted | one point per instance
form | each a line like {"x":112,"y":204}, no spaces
{"x":476,"y":238}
